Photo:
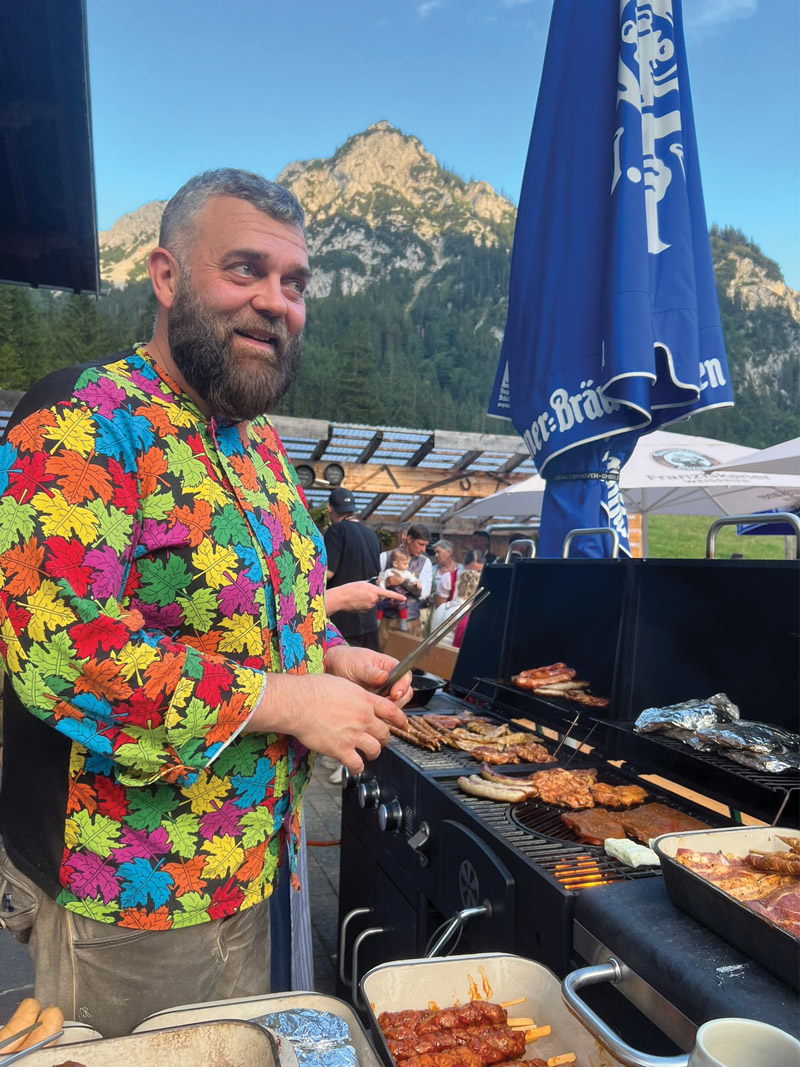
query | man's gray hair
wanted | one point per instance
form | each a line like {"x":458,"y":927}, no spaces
{"x":446,"y":545}
{"x":274,"y":200}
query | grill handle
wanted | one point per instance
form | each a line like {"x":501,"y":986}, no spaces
{"x":343,"y":978}
{"x":611,"y":971}
{"x":751,"y":520}
{"x":600,"y":531}
{"x":521,"y":541}
{"x":371,"y":931}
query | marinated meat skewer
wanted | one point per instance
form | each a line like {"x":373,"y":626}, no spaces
{"x":475,"y":1013}
{"x":493,"y":1045}
{"x":454,"y":1057}
{"x":783,"y":862}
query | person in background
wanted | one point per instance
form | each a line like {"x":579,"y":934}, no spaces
{"x":479,"y":542}
{"x":468,"y":582}
{"x":170,"y":668}
{"x":415,"y":540}
{"x":445,"y":576}
{"x":447,"y":570}
{"x":474,"y":560}
{"x":353,"y":556}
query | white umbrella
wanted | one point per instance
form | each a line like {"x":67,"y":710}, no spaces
{"x":668,"y":474}
{"x":779,"y":459}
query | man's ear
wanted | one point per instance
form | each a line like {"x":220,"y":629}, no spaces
{"x":163,"y":269}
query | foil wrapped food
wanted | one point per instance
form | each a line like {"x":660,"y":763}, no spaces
{"x":750,"y":736}
{"x":319,"y":1038}
{"x":680,"y":720}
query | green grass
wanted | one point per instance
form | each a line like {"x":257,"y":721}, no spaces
{"x":684,"y":537}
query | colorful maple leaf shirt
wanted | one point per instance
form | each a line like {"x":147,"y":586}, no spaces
{"x":155,"y":567}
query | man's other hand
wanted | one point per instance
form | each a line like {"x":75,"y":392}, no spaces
{"x":338,"y":713}
{"x":357,"y":596}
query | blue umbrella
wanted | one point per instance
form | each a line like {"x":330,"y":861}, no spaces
{"x":613,"y":324}
{"x":767,"y":529}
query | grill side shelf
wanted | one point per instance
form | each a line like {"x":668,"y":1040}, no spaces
{"x":764,"y":796}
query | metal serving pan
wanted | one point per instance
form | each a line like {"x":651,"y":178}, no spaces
{"x":760,"y":938}
{"x":254,"y":1007}
{"x":497,"y":977}
{"x":227,"y":1043}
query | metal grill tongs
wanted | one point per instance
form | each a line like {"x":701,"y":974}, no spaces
{"x":433,"y":639}
{"x":31,"y":1048}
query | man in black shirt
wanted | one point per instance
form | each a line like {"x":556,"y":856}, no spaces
{"x":353,"y":556}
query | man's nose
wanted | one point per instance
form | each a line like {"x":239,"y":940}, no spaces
{"x":269,"y":297}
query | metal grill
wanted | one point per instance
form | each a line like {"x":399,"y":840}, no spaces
{"x":574,"y":865}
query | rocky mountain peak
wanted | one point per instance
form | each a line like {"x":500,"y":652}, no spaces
{"x":751,"y":287}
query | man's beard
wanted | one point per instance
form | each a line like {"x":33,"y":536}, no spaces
{"x":235,"y":388}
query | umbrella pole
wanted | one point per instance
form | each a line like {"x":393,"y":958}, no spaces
{"x":645,"y":516}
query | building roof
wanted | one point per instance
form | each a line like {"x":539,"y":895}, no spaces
{"x":395,"y":474}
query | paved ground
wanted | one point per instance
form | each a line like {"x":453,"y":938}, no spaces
{"x":323,"y":806}
{"x":323,"y":810}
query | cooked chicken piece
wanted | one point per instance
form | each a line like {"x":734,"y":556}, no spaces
{"x":532,"y":752}
{"x":490,"y":754}
{"x":618,"y":796}
{"x":792,"y":842}
{"x":487,"y":729}
{"x":566,"y":789}
{"x":589,"y":701}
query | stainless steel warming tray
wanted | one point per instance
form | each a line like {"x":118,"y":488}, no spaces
{"x":760,"y":938}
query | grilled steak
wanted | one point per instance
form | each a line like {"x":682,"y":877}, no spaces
{"x":594,"y":825}
{"x":651,"y":820}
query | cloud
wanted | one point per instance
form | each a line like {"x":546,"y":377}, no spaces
{"x":706,"y":16}
{"x":427,"y":7}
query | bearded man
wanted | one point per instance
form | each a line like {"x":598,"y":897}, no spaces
{"x":170,"y":666}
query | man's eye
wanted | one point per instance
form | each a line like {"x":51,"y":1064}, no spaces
{"x":244,"y":269}
{"x":296,"y":285}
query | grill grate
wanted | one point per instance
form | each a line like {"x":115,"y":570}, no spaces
{"x":454,"y":759}
{"x":448,"y":759}
{"x":771,"y":797}
{"x":574,"y":864}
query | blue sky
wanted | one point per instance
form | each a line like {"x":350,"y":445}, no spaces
{"x":180,"y":86}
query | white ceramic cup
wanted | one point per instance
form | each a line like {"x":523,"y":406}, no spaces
{"x":743,"y":1043}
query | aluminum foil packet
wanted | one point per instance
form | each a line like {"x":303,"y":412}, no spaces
{"x":758,"y":737}
{"x":678,"y":720}
{"x":772,"y":763}
{"x":319,"y":1038}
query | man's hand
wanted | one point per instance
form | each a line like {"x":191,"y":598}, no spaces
{"x":368,"y":668}
{"x":357,"y":596}
{"x":334,"y":713}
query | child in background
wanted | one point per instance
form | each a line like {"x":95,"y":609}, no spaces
{"x":398,"y":576}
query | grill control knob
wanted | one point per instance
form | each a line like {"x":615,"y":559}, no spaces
{"x":390,"y":816}
{"x":350,"y":780}
{"x":369,"y":793}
